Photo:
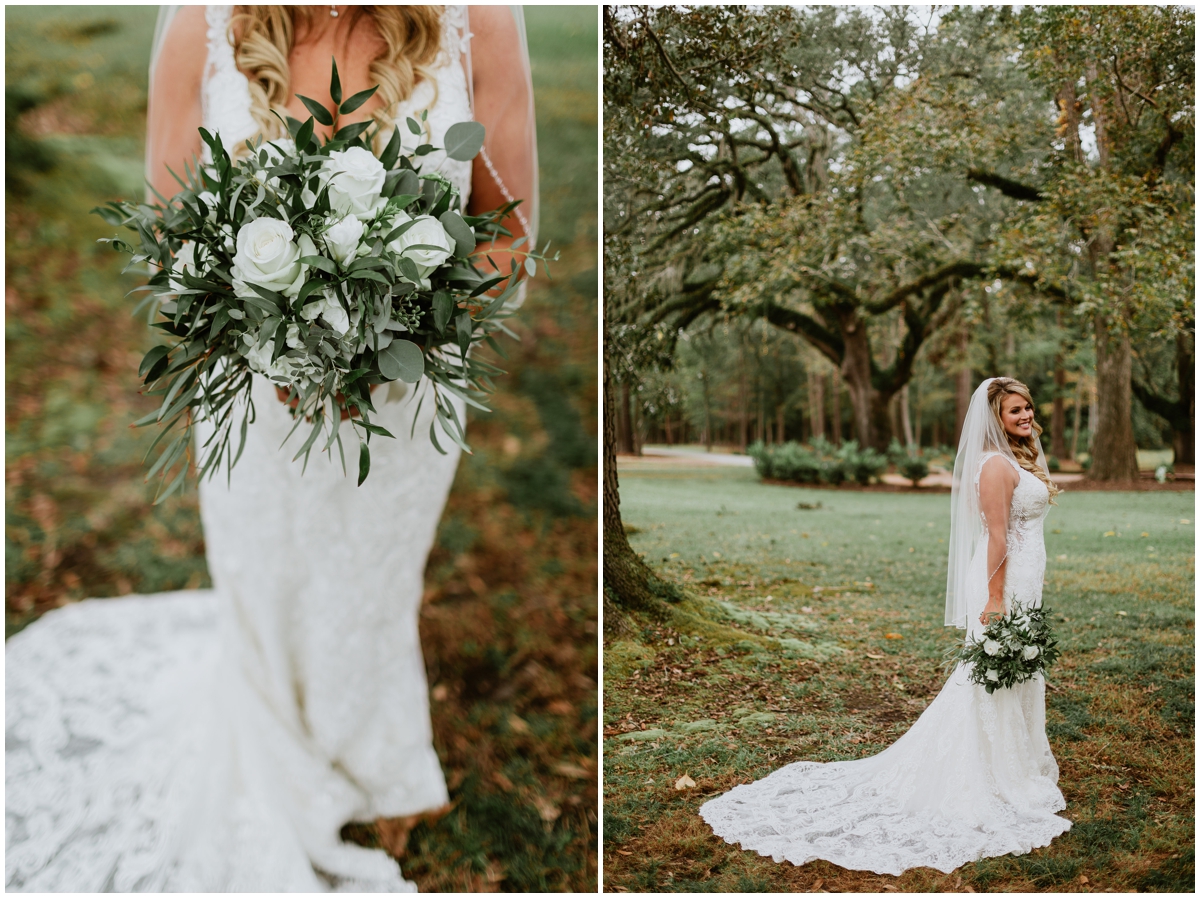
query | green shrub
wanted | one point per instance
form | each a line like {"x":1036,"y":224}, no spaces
{"x":860,"y":464}
{"x":763,"y":458}
{"x":912,"y":464}
{"x":817,"y":462}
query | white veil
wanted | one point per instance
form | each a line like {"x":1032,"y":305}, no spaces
{"x":509,"y":152}
{"x":982,"y":435}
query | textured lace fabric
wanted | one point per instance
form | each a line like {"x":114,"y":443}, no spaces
{"x":219,"y":740}
{"x":974,"y":777}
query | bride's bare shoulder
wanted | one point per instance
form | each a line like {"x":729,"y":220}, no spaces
{"x":997,"y":470}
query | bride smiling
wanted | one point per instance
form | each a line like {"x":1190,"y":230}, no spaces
{"x":219,"y":741}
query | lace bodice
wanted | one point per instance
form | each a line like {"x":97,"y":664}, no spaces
{"x":1025,"y":565}
{"x":1030,"y":503}
{"x":225,"y":94}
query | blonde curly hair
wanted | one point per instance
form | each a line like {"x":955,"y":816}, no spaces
{"x":1024,"y":449}
{"x":263,"y":36}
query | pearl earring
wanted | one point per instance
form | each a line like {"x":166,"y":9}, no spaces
{"x":333,"y":11}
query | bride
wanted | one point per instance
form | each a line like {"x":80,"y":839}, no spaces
{"x":219,"y":740}
{"x":974,"y":777}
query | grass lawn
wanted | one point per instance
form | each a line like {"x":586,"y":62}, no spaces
{"x":849,"y":588}
{"x":509,"y":622}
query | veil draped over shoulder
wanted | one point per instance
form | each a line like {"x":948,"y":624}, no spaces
{"x":510,"y":146}
{"x":982,"y":435}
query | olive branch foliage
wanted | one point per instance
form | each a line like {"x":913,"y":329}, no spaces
{"x":406,"y":328}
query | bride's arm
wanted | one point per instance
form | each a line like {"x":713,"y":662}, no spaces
{"x":503,"y":105}
{"x":174,"y":115}
{"x":996,"y":483}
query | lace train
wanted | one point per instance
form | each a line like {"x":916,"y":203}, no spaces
{"x":973,"y":778}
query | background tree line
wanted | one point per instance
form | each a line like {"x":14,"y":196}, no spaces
{"x":842,"y":218}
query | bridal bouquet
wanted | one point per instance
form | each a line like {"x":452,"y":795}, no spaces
{"x":326,"y":269}
{"x":1012,"y":649}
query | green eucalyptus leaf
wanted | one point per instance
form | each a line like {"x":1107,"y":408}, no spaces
{"x":464,"y":140}
{"x":443,"y":308}
{"x":402,"y":360}
{"x":464,"y":240}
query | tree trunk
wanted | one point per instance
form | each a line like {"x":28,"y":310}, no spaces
{"x":1114,"y":452}
{"x":835,"y":406}
{"x":779,"y":434}
{"x":1058,"y":418}
{"x":743,"y":412}
{"x":639,"y":428}
{"x":1078,"y":417}
{"x":856,"y":367}
{"x":905,"y":420}
{"x":625,"y":421}
{"x":816,"y":403}
{"x":627,"y":580}
{"x":708,"y":422}
{"x":1185,"y":364}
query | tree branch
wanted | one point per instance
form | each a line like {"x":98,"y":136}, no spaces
{"x":962,"y":268}
{"x":818,"y":336}
{"x":1007,"y":186}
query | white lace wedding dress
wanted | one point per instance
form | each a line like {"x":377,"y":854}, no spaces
{"x":218,"y":740}
{"x":974,"y":777}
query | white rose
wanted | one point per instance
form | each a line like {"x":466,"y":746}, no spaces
{"x":343,"y":238}
{"x":355,"y":179}
{"x":285,"y":367}
{"x":991,"y":646}
{"x":993,"y":677}
{"x":1030,"y":652}
{"x":328,"y":308}
{"x":185,"y":260}
{"x":429,"y":231}
{"x":268,"y":255}
{"x":293,"y":337}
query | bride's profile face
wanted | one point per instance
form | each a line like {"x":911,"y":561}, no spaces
{"x":1016,"y":414}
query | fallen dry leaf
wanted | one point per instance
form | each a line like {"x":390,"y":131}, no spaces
{"x":573,"y":771}
{"x":546,"y":809}
{"x":892,"y":636}
{"x":684,"y":782}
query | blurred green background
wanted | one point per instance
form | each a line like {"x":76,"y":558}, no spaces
{"x":509,"y":622}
